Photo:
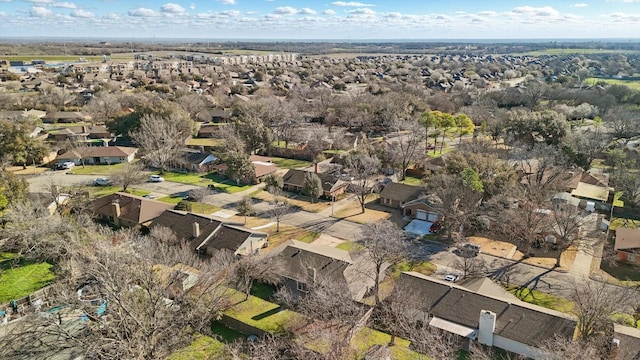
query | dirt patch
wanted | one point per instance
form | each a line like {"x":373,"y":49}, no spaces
{"x":297,"y":200}
{"x":352,"y":212}
{"x":30,"y":170}
{"x":328,"y":240}
{"x":496,"y":248}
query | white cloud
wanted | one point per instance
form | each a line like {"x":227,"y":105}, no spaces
{"x":285,"y":10}
{"x":227,"y":2}
{"x":2,"y":13}
{"x":192,"y":6}
{"x":487,"y":13}
{"x":307,"y":11}
{"x":40,"y":11}
{"x":329,"y":12}
{"x":40,"y":1}
{"x":143,"y":12}
{"x":541,"y":11}
{"x":5,"y":1}
{"x":580,"y":5}
{"x":81,"y":14}
{"x":65,"y":5}
{"x":230,"y":13}
{"x":171,"y":8}
{"x":350,"y":3}
{"x":362,"y":11}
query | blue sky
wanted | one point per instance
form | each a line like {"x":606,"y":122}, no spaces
{"x":318,"y":19}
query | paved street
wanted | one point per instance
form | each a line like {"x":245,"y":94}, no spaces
{"x":40,"y":183}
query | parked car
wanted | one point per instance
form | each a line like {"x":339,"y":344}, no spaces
{"x":467,"y":250}
{"x":102,"y":182}
{"x":156,"y":178}
{"x":65,"y":165}
{"x":149,"y":196}
{"x":451,"y":277}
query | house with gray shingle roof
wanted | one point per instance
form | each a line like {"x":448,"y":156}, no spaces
{"x":492,"y":320}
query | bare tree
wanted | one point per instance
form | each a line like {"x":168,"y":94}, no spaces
{"x":563,"y":348}
{"x":103,"y":106}
{"x":385,"y":246}
{"x":279,"y":206}
{"x":162,"y":138}
{"x":140,"y":300}
{"x":406,"y":143}
{"x":469,"y":264}
{"x":199,"y":195}
{"x":128,"y":174}
{"x":362,"y":167}
{"x":256,"y":267}
{"x":566,"y":224}
{"x":594,"y":304}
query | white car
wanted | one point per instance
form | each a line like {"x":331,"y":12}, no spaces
{"x":102,"y":182}
{"x":66,"y":165}
{"x":451,"y":277}
{"x":156,"y":178}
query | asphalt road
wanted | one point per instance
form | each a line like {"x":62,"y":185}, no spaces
{"x":40,"y":183}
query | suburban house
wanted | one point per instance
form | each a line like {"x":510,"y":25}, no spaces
{"x":214,"y":115}
{"x":65,"y":117}
{"x":262,"y":166}
{"x":208,"y":131}
{"x":332,"y":186}
{"x":126,"y":210}
{"x":99,"y":155}
{"x":627,"y":245}
{"x":307,"y":264}
{"x":99,"y":132}
{"x":422,"y":208}
{"x":76,"y":133}
{"x":492,"y":320}
{"x":207,"y":235}
{"x":395,"y":195}
{"x":201,"y":162}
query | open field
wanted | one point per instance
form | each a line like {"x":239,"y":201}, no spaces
{"x":51,"y":58}
{"x":632,"y":84}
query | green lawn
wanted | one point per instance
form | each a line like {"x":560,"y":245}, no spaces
{"x":205,"y":142}
{"x":23,"y":279}
{"x":227,"y":185}
{"x":261,"y":314}
{"x":95,"y":169}
{"x":350,"y":246}
{"x":632,"y":84}
{"x":202,"y":347}
{"x":410,"y":180}
{"x":368,"y":337}
{"x":100,"y":191}
{"x":290,"y":163}
{"x":542,"y":299}
{"x":630,"y":223}
{"x":423,"y":267}
{"x":197,"y":179}
{"x":226,"y":334}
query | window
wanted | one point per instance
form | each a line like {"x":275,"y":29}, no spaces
{"x":631,"y":257}
{"x":387,"y":201}
{"x":302,"y":287}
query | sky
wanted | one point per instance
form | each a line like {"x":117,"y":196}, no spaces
{"x":322,"y":19}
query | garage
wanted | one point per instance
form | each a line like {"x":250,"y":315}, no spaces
{"x":421,"y":215}
{"x":432,"y":217}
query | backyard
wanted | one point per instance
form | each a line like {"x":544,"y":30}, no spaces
{"x":23,"y":278}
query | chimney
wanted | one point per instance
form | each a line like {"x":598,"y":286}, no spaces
{"x":84,"y":129}
{"x":196,"y":229}
{"x":315,"y":167}
{"x":486,"y":327}
{"x":116,"y":212}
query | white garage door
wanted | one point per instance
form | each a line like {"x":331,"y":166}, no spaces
{"x":421,"y":215}
{"x":432,"y":217}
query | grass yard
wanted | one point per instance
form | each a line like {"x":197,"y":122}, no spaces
{"x":205,"y":142}
{"x":542,"y":299}
{"x":289,"y":232}
{"x":22,"y":280}
{"x":632,"y":84}
{"x":95,"y":169}
{"x":422,"y":267}
{"x":188,"y":178}
{"x":283,"y":163}
{"x":226,"y":334}
{"x":367,"y":337}
{"x":438,"y":153}
{"x":351,"y":212}
{"x":630,"y":223}
{"x":261,"y":314}
{"x":299,"y":201}
{"x":410,"y":180}
{"x":350,"y":246}
{"x":202,"y":348}
{"x":100,"y":191}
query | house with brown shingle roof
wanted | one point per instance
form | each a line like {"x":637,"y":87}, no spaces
{"x":395,"y":195}
{"x":126,"y":210}
{"x":207,"y":235}
{"x":99,"y":155}
{"x":511,"y":325}
{"x":627,"y":245}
